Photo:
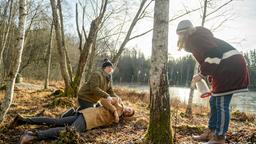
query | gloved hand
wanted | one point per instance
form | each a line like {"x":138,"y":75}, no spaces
{"x":196,"y":78}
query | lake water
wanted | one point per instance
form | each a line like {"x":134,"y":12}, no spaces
{"x":244,"y":102}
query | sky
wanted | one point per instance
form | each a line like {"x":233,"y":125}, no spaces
{"x":239,"y":30}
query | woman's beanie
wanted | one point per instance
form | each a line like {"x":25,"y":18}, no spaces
{"x":106,"y":63}
{"x":184,"y":25}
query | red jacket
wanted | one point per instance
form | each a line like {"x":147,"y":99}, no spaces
{"x":219,"y":60}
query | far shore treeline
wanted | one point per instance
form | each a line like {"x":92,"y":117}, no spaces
{"x":134,"y":68}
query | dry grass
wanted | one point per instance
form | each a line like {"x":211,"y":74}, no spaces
{"x":128,"y":131}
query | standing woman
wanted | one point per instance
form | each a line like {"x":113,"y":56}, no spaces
{"x":227,"y":72}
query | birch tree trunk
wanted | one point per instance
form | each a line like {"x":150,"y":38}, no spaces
{"x":192,"y":88}
{"x":12,"y":73}
{"x":49,"y":56}
{"x":159,"y":130}
{"x":60,"y":48}
{"x":191,"y":95}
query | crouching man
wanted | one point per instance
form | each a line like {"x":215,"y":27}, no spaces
{"x":85,"y":119}
{"x":98,"y":86}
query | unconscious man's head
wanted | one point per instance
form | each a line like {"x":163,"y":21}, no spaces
{"x":184,"y":29}
{"x":107,"y":66}
{"x":128,"y":112}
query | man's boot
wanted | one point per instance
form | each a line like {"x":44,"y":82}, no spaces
{"x":18,"y":120}
{"x":216,"y":140}
{"x":205,"y":136}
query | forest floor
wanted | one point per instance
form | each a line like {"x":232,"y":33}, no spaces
{"x":34,"y":101}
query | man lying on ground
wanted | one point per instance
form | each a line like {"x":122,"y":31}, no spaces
{"x":83,"y":120}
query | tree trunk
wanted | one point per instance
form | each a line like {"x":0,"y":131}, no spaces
{"x":191,"y":95}
{"x":159,"y":130}
{"x":49,"y":56}
{"x":192,"y":88}
{"x":12,"y":73}
{"x":60,"y":48}
{"x":23,"y":66}
{"x":8,"y":55}
{"x":69,"y":66}
{"x":94,"y":28}
{"x":85,"y":53}
{"x":90,"y":63}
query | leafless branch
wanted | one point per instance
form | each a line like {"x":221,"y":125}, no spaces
{"x":93,"y":7}
{"x":85,"y":35}
{"x":219,"y":7}
{"x":144,"y":10}
{"x":221,"y":23}
{"x":126,"y":39}
{"x":139,"y":35}
{"x":222,"y":14}
{"x":78,"y":30}
{"x":110,"y":35}
{"x":121,"y":28}
{"x":204,"y":13}
{"x":187,"y":12}
{"x":173,"y":19}
{"x":106,"y":18}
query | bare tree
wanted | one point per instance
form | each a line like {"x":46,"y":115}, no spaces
{"x":159,"y":129}
{"x":6,"y":27}
{"x":140,"y":14}
{"x":63,"y":40}
{"x":12,"y":73}
{"x":35,"y":13}
{"x":90,"y":64}
{"x":72,"y":85}
{"x":191,"y":95}
{"x":86,"y":48}
{"x":60,"y":48}
{"x":49,"y":57}
{"x":127,"y":37}
{"x":94,"y":28}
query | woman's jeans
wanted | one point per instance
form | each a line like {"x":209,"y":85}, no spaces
{"x":76,"y":122}
{"x":220,"y":114}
